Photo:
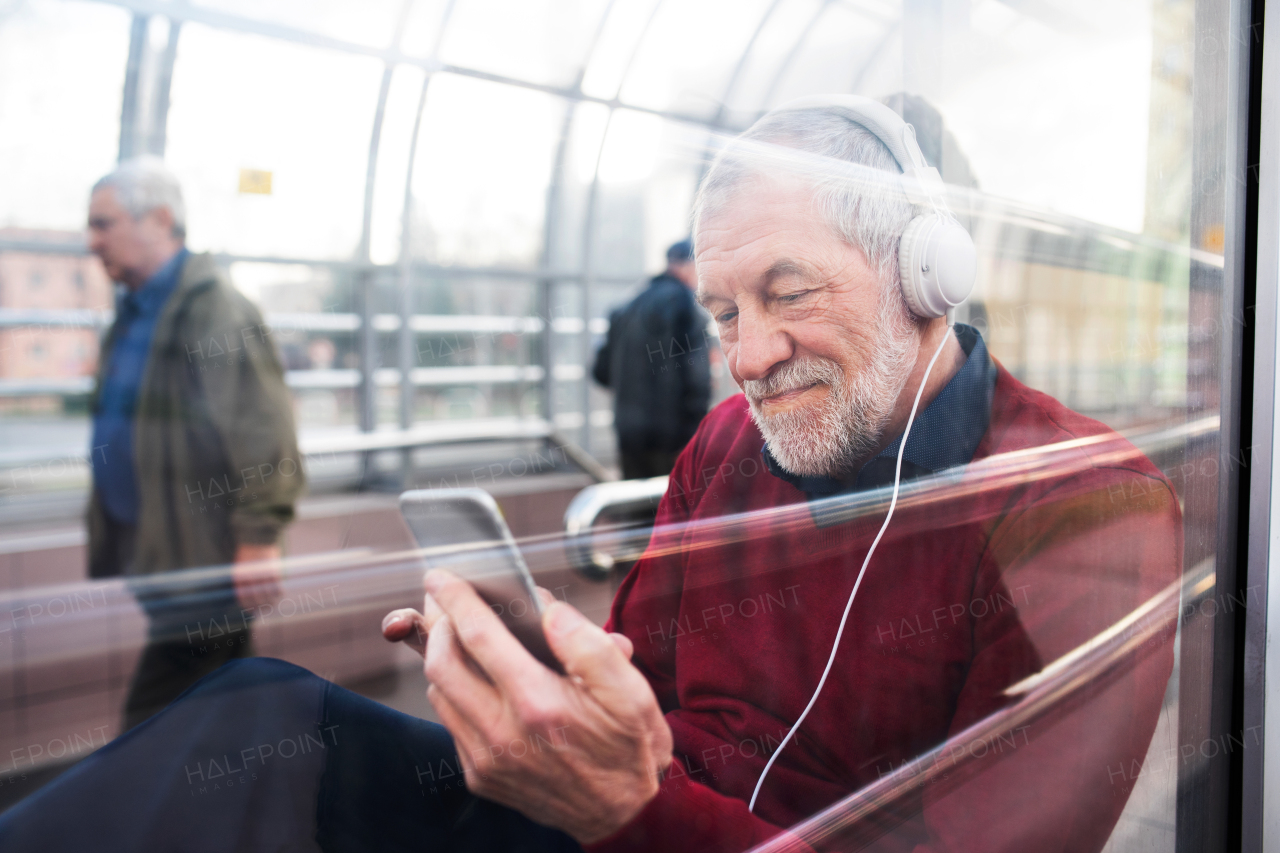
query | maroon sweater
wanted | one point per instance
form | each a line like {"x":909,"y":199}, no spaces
{"x":962,"y":599}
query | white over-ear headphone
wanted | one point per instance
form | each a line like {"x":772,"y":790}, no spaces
{"x":936,"y":256}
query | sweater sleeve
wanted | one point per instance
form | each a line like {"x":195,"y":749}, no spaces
{"x":689,"y":817}
{"x":1073,"y":563}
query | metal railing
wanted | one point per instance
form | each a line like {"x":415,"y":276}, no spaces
{"x":622,"y":498}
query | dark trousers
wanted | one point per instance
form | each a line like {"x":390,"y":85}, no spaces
{"x":178,"y":652}
{"x":116,"y":553}
{"x":262,"y":755}
{"x":169,"y":666}
{"x":642,"y":464}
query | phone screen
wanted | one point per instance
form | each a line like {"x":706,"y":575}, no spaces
{"x":464,"y":532}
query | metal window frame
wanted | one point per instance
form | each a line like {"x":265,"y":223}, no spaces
{"x":1212,"y":794}
{"x":128,"y":143}
{"x":1260,"y":768}
{"x":368,"y":397}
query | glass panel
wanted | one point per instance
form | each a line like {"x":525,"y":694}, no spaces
{"x":499,"y":219}
{"x":921,"y":588}
{"x":369,"y":23}
{"x":59,"y":128}
{"x":782,"y":32}
{"x":393,"y":163}
{"x":619,"y":41}
{"x":678,"y":68}
{"x":537,"y":40}
{"x":300,"y":114}
{"x":1102,"y":106}
{"x":423,"y":29}
{"x":854,"y":48}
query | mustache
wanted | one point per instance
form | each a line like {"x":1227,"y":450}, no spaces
{"x":792,"y":376}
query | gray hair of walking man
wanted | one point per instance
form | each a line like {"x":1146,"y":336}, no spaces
{"x":144,"y":184}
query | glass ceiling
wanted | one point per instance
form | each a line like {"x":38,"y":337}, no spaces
{"x":296,"y":88}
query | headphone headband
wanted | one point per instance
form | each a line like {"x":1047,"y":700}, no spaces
{"x":921,"y":182}
{"x":871,"y":114}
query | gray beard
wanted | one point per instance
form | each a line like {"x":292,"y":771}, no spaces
{"x":834,"y":437}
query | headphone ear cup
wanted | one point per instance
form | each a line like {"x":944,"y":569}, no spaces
{"x":910,"y":262}
{"x":937,"y":263}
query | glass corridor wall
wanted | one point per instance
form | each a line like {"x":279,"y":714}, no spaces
{"x":482,"y":168}
{"x":437,"y":203}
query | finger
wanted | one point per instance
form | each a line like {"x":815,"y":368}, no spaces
{"x":408,"y":626}
{"x":431,"y":611}
{"x":447,"y":668}
{"x":624,"y":644}
{"x":482,"y":633}
{"x":546,"y":596}
{"x":593,"y":656}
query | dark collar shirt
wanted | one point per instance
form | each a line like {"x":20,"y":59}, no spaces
{"x":111,"y":453}
{"x":945,"y":435}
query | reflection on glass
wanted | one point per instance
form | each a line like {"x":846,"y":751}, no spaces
{"x":47,"y":103}
{"x":510,"y":138}
{"x":1021,"y":665}
{"x":243,"y":102}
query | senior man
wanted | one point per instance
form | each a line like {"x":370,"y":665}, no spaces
{"x":659,"y":733}
{"x":195,"y":459}
{"x":964,"y":597}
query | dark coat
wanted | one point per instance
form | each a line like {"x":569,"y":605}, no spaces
{"x":656,"y":359}
{"x":214,"y":440}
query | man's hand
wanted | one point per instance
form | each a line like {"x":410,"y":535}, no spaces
{"x":256,"y":575}
{"x":581,"y":752}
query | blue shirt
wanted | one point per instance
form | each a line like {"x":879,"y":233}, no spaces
{"x":945,"y":435}
{"x":111,"y":453}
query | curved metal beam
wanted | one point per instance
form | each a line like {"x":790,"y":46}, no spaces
{"x":589,"y":229}
{"x":405,"y":350}
{"x":546,"y":294}
{"x":368,"y":336}
{"x":132,"y":74}
{"x":159,"y":132}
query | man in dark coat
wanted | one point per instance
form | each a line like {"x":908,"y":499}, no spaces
{"x":195,"y":459}
{"x":656,"y":359}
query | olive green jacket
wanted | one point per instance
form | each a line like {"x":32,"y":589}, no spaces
{"x":215,"y":447}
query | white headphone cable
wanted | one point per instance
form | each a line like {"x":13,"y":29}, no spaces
{"x":893,"y":503}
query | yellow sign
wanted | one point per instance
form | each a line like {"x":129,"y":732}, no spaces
{"x":1214,"y":238}
{"x":255,"y":181}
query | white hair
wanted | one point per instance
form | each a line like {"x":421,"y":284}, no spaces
{"x":144,"y":184}
{"x":847,"y":165}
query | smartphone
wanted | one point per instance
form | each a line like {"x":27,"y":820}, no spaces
{"x":464,"y":532}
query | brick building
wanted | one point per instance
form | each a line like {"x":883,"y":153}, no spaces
{"x":33,"y":282}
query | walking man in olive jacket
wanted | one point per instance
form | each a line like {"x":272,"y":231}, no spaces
{"x":194,"y":453}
